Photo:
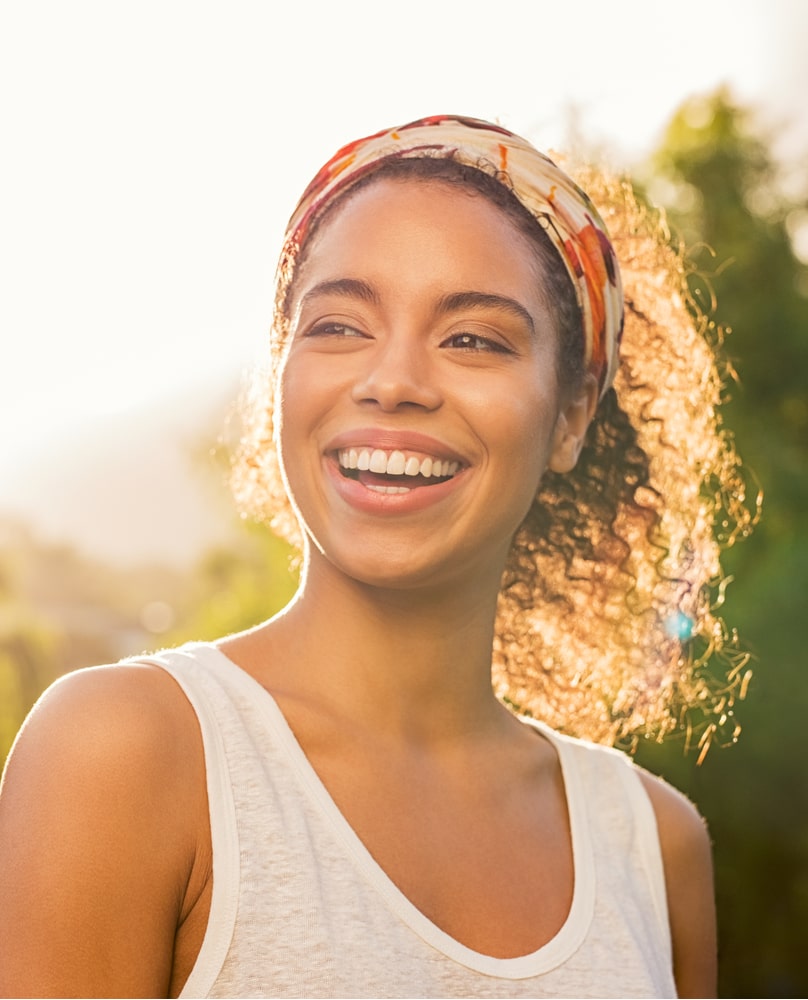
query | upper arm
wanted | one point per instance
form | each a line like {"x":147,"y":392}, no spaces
{"x":96,"y":837}
{"x":687,"y":859}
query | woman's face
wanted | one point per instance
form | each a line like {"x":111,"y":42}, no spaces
{"x":419,"y":401}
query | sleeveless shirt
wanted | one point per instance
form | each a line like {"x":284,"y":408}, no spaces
{"x":300,"y":908}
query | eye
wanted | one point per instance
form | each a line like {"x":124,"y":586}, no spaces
{"x":475,"y":342}
{"x":332,"y":329}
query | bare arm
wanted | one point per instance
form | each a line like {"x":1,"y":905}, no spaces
{"x":687,"y":857}
{"x":98,"y":837}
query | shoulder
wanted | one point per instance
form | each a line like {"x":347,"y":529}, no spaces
{"x":99,"y":714}
{"x":99,"y":744}
{"x":683,"y":834}
{"x":687,"y":859}
{"x":102,"y":812}
{"x":679,"y":822}
{"x":686,"y":856}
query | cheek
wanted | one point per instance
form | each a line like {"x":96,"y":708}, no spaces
{"x":293,"y":403}
{"x":525,"y":439}
{"x":296,"y":394}
{"x":308,"y":394}
{"x":524,"y":415}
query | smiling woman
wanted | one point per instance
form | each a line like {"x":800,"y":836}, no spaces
{"x":389,"y":789}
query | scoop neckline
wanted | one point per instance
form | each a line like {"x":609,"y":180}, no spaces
{"x":550,"y":955}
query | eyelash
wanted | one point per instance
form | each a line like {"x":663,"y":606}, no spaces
{"x":488,"y":344}
{"x":331,"y":329}
{"x":464,"y":341}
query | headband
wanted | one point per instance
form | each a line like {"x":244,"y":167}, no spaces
{"x":570,"y":219}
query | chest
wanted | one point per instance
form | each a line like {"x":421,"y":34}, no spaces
{"x":416,"y":896}
{"x":485,"y":855}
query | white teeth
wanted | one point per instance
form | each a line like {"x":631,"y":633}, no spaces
{"x":395,"y":463}
{"x":389,"y":489}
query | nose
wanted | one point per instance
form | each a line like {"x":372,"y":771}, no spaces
{"x":397,"y":374}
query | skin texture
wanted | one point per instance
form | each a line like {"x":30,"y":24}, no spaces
{"x":106,"y":872}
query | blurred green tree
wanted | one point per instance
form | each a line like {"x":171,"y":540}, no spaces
{"x":60,"y":610}
{"x":725,"y":199}
{"x":238,"y":586}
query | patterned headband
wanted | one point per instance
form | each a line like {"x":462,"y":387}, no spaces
{"x":570,"y":219}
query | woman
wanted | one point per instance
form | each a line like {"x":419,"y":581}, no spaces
{"x":336,"y":802}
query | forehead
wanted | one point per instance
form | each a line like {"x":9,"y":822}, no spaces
{"x":450,"y":232}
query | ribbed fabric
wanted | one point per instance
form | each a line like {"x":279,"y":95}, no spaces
{"x":301,"y":909}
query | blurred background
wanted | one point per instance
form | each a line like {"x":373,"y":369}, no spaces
{"x":151,"y":155}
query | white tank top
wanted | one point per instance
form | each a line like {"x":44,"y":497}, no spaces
{"x":301,"y":909}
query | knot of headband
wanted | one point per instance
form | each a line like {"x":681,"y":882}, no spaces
{"x":570,"y":219}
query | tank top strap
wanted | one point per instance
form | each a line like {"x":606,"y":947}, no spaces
{"x":194,"y":668}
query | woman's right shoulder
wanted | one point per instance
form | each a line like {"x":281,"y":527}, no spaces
{"x":103,"y":712}
{"x":102,"y":824}
{"x":105,"y":740}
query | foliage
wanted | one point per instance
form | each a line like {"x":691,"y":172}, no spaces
{"x":725,"y":198}
{"x":237,"y":587}
{"x":726,"y":201}
{"x":60,"y":611}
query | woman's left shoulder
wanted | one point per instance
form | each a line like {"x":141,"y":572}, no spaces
{"x":687,"y":860}
{"x":682,"y":828}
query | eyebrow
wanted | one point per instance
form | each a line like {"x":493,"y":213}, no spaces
{"x":350,"y":288}
{"x":355,"y":288}
{"x":457,"y":301}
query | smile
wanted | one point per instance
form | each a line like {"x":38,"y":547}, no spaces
{"x":394,"y":471}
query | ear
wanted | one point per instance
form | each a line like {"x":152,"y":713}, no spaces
{"x":571,"y":426}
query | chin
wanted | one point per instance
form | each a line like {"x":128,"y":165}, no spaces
{"x":400,"y":567}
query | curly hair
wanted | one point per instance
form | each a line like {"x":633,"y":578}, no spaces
{"x":606,"y":619}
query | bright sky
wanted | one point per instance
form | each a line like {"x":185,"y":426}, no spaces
{"x":153,"y":150}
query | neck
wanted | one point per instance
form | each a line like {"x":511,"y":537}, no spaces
{"x":417,"y":661}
